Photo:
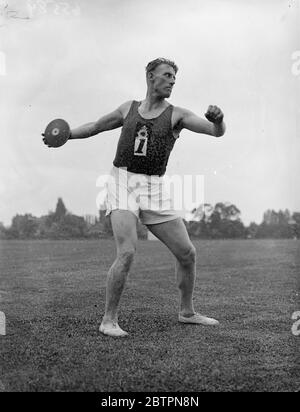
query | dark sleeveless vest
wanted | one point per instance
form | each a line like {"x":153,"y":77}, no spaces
{"x":145,"y":144}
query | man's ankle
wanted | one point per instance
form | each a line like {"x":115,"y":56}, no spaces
{"x":187,"y":312}
{"x":109,"y":319}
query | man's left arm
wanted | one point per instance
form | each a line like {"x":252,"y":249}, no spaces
{"x":213,"y":126}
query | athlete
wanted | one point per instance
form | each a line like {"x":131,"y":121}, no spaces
{"x":149,"y":131}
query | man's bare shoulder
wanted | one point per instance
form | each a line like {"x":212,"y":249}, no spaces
{"x":124,"y":108}
{"x":178,"y":115}
{"x":180,"y":111}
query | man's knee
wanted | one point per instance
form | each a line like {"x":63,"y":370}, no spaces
{"x":125,"y":257}
{"x":188,"y":256}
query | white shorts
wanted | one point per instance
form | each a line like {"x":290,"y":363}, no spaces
{"x":145,"y":196}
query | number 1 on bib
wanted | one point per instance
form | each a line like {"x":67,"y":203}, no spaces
{"x":141,"y":140}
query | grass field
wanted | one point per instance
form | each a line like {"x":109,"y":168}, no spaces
{"x":53,"y":296}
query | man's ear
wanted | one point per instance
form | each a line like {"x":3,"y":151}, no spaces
{"x":150,"y":76}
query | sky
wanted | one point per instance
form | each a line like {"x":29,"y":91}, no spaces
{"x":80,"y":59}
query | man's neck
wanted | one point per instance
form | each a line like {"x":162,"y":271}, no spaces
{"x":153,"y":102}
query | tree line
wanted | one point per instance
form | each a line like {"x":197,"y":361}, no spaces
{"x":221,"y":221}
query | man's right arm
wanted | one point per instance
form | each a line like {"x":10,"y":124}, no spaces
{"x":110,"y":121}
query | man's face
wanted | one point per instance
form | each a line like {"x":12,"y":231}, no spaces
{"x":163,"y":79}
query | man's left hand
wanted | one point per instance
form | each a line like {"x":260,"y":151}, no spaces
{"x":214,"y":114}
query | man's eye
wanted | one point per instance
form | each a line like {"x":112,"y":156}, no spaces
{"x":170,"y":76}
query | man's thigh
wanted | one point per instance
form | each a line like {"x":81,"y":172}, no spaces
{"x":124,"y":226}
{"x":174,"y":235}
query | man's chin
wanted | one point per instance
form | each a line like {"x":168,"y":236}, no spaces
{"x":166,"y":93}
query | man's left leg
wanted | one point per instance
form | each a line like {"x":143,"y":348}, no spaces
{"x":174,"y":235}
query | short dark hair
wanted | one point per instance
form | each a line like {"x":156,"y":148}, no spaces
{"x":161,"y":60}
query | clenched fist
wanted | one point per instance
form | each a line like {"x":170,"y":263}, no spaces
{"x":214,"y":114}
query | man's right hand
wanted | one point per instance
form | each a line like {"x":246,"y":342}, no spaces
{"x":57,"y":133}
{"x":45,"y":141}
{"x":214,"y":114}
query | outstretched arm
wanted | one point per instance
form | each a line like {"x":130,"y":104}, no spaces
{"x":110,"y":121}
{"x":213,"y":126}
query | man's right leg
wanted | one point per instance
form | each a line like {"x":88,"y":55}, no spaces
{"x":125,"y":233}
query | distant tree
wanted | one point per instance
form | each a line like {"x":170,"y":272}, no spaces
{"x":53,"y":232}
{"x":268,"y":217}
{"x":43,"y":227}
{"x":277,"y":225}
{"x":202,"y":213}
{"x":23,"y":227}
{"x":69,"y":227}
{"x":2,"y":231}
{"x":61,"y":224}
{"x":296,"y":224}
{"x":271,"y":217}
{"x":215,"y":224}
{"x":221,"y":221}
{"x":55,"y":217}
{"x":251,"y":231}
{"x":227,"y":211}
{"x":296,"y":217}
{"x":72,"y":226}
{"x":232,"y":229}
{"x":225,"y":221}
{"x":60,"y":210}
{"x":199,"y":224}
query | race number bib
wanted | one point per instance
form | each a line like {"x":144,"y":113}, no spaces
{"x":141,"y":142}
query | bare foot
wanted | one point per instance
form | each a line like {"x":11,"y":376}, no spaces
{"x":198,"y":319}
{"x":112,"y":329}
